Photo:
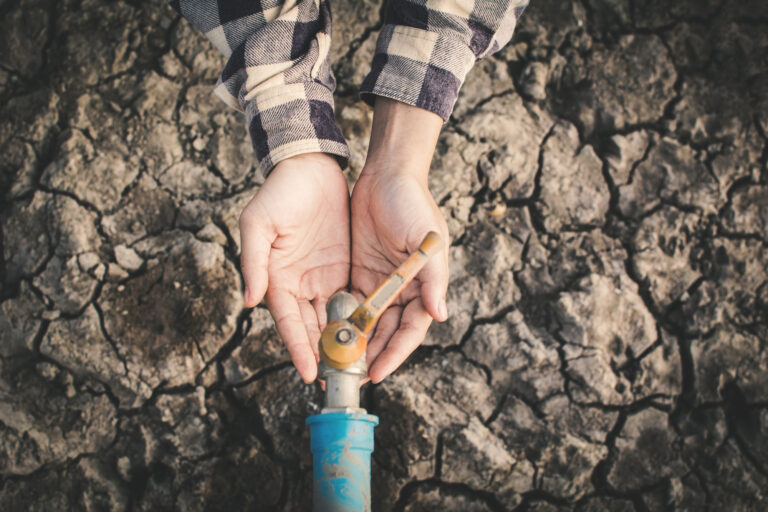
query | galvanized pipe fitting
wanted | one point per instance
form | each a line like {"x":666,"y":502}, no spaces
{"x":342,"y":387}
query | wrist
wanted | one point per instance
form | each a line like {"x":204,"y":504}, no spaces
{"x":312,"y":159}
{"x":403,"y":139}
{"x":307,"y":162}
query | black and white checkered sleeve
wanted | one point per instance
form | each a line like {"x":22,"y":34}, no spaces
{"x":426,"y":48}
{"x":278,"y":72}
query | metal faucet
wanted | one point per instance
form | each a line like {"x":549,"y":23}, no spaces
{"x":342,"y":434}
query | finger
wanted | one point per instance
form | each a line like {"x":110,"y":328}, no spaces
{"x":309,"y":317}
{"x":388,"y":324}
{"x":322,"y":315}
{"x":359,"y":297}
{"x":290,"y":324}
{"x":254,"y":260}
{"x":434,"y":284}
{"x":413,"y":328}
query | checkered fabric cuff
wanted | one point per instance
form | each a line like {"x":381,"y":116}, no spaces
{"x":418,"y":67}
{"x":278,"y":72}
{"x":291,"y":120}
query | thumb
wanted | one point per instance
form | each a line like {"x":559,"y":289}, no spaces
{"x":434,"y":283}
{"x":254,"y":260}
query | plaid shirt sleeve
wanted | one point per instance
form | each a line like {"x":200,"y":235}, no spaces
{"x":426,"y":48}
{"x":278,"y":72}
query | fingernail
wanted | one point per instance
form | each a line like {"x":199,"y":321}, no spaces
{"x":247,"y":296}
{"x":443,"y":310}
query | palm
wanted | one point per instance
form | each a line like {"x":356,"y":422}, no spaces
{"x":296,"y":252}
{"x":383,"y":231}
{"x":310,"y":256}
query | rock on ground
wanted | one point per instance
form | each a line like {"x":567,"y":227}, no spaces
{"x":605,"y":182}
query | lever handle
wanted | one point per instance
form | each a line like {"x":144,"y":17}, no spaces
{"x":368,"y":313}
{"x":344,"y":341}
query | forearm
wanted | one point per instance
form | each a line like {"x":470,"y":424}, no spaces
{"x":403,"y":138}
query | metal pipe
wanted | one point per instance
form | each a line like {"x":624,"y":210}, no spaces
{"x":342,"y":387}
{"x":342,"y":434}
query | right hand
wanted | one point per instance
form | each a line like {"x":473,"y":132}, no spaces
{"x":295,"y":250}
{"x":392,"y":211}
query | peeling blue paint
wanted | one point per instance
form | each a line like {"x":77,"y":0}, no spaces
{"x":341,"y":445}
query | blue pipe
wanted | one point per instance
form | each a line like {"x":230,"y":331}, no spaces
{"x":342,"y":443}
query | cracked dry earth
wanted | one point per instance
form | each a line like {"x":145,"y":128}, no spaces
{"x":605,"y":180}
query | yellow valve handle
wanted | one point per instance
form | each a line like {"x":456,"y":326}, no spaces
{"x":368,"y":313}
{"x":344,"y":341}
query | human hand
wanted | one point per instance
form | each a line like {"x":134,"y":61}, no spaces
{"x":392,"y":211}
{"x":295,"y":250}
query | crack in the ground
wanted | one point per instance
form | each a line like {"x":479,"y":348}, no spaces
{"x":671,"y":325}
{"x":449,"y":489}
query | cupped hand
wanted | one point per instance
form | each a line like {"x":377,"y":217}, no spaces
{"x":295,"y":250}
{"x":392,"y":211}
